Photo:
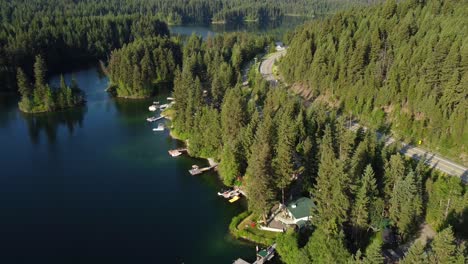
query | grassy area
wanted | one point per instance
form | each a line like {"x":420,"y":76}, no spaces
{"x":243,"y":226}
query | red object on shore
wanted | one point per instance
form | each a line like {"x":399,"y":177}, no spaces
{"x":252,"y":224}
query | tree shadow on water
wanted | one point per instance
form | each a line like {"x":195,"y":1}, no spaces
{"x":49,"y":123}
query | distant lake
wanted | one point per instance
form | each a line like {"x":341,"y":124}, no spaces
{"x":275,"y":28}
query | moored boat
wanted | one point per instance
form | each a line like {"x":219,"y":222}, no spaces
{"x":159,"y":128}
{"x":235,"y":198}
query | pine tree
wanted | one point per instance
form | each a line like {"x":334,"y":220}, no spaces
{"x":232,"y":115}
{"x":40,"y":73}
{"x":327,"y":248}
{"x":230,"y":166}
{"x":24,"y":87}
{"x":283,"y":163}
{"x":258,"y":180}
{"x":443,"y":247}
{"x":330,"y":191}
{"x":364,"y":203}
{"x":415,"y":255}
{"x":405,"y":204}
{"x":394,"y":170}
{"x":374,"y":253}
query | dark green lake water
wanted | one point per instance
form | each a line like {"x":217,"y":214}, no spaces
{"x":96,"y":185}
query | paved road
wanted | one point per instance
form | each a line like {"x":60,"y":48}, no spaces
{"x":431,"y":159}
{"x":266,"y":67}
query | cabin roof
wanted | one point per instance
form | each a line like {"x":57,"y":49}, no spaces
{"x":301,"y":207}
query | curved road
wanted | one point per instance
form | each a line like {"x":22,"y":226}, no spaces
{"x":266,"y":67}
{"x":431,"y":159}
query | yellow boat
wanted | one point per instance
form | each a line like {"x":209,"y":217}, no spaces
{"x":235,"y":198}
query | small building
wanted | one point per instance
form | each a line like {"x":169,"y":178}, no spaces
{"x":297,"y":212}
{"x":279,"y":46}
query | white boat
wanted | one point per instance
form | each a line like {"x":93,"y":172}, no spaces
{"x":164,"y":106}
{"x":152,"y":108}
{"x":159,"y":128}
{"x":170,"y":99}
{"x":156,"y":103}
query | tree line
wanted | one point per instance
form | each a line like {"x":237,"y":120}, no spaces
{"x":38,"y":96}
{"x":76,"y":32}
{"x":66,"y":42}
{"x":400,"y":66}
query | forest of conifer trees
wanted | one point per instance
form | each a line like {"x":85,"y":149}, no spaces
{"x":401,"y":66}
{"x":274,"y":146}
{"x":137,"y":68}
{"x":74,"y":33}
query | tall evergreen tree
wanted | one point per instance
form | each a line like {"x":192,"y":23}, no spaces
{"x":415,"y":254}
{"x":24,"y":87}
{"x":444,"y":249}
{"x":258,"y":180}
{"x":330,"y":191}
{"x":40,"y":74}
{"x":405,"y":204}
{"x":364,"y":203}
{"x":283,"y":163}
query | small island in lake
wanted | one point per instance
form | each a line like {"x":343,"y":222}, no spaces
{"x":39,"y":97}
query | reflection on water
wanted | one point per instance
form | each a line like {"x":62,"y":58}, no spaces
{"x":275,"y":27}
{"x":7,"y":102}
{"x":49,"y":123}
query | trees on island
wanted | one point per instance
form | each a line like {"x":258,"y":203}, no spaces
{"x":40,"y":97}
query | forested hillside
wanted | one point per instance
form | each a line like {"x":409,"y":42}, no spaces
{"x":400,"y":65}
{"x":273,"y":146}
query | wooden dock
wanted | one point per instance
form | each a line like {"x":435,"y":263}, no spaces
{"x":197,"y":170}
{"x":177,"y":152}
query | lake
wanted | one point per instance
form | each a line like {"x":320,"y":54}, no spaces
{"x":274,"y":28}
{"x":96,"y":185}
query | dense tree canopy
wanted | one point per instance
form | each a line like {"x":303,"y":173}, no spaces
{"x":136,"y":68}
{"x":403,"y":65}
{"x":276,"y":147}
